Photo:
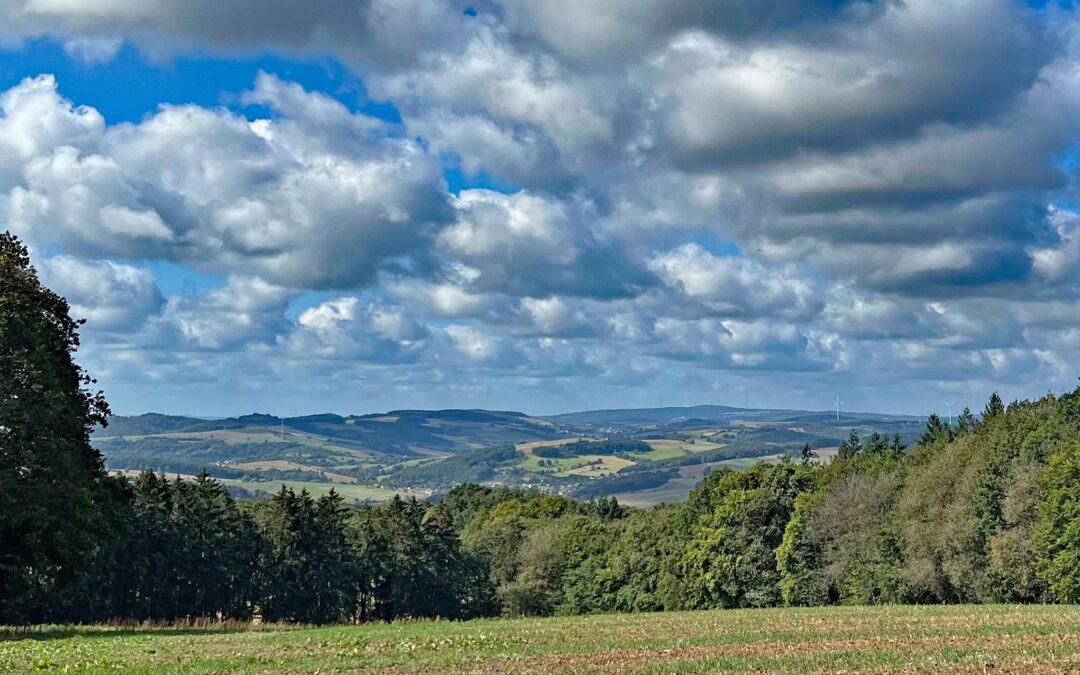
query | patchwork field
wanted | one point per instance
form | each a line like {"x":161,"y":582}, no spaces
{"x":856,"y":639}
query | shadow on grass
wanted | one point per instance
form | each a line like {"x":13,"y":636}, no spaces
{"x":92,"y":632}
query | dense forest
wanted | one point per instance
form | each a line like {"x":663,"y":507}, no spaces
{"x":986,"y":510}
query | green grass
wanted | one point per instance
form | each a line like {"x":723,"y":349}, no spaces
{"x":675,"y":490}
{"x":929,"y":639}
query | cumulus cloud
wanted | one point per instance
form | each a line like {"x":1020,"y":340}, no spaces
{"x":383,"y":31}
{"x":109,"y":296}
{"x":316,"y":198}
{"x":347,"y":329}
{"x":526,"y":244}
{"x":824,"y":189}
{"x":245,"y":311}
{"x":732,"y":286}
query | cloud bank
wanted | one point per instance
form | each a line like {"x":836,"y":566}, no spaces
{"x":741,"y":202}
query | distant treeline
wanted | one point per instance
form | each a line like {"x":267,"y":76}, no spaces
{"x":621,"y":447}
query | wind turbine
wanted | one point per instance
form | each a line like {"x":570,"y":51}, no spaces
{"x":837,"y":406}
{"x":950,"y":404}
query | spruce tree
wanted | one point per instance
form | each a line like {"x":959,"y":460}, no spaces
{"x":994,"y":407}
{"x":851,"y":446}
{"x":935,"y":430}
{"x":965,"y":423}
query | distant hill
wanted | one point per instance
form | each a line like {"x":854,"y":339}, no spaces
{"x":642,"y":455}
{"x":148,"y":425}
{"x":705,"y":415}
{"x":406,"y":433}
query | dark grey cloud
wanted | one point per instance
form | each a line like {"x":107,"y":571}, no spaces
{"x":387,"y":32}
{"x":916,"y":63}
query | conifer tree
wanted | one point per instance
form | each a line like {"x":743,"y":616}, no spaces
{"x":965,"y":423}
{"x":994,"y":407}
{"x":850,"y":446}
{"x":936,"y":430}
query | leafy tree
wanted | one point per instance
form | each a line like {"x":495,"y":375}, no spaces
{"x":730,"y":560}
{"x":52,"y":483}
{"x":799,"y":559}
{"x":1058,"y":531}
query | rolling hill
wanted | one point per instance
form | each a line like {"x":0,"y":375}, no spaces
{"x":642,"y":456}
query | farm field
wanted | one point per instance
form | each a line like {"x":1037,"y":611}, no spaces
{"x":954,"y":638}
{"x":350,"y":491}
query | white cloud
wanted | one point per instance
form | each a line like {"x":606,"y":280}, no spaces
{"x":820,"y":189}
{"x":316,"y":198}
{"x":735,"y":286}
{"x":111,"y":297}
{"x":93,"y":51}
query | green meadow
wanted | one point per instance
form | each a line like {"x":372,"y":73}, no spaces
{"x":958,"y":638}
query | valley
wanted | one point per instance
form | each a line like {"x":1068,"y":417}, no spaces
{"x":641,"y":456}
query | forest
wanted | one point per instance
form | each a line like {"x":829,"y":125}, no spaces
{"x":985,"y":510}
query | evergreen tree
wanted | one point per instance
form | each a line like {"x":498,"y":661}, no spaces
{"x":965,"y":423}
{"x":52,"y":483}
{"x":994,"y":407}
{"x":936,"y":430}
{"x":850,"y":446}
{"x":896,"y":446}
{"x":877,"y":444}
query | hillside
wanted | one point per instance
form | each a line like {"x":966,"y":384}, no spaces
{"x":668,"y":449}
{"x":717,"y":414}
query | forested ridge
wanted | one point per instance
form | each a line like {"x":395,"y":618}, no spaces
{"x":986,"y":510}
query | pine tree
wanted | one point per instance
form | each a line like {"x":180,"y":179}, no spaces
{"x":994,"y":407}
{"x":52,"y":482}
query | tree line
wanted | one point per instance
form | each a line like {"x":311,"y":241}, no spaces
{"x":984,"y":510}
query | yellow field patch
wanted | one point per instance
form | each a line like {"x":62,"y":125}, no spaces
{"x":608,"y":464}
{"x":687,"y":447}
{"x":339,"y":478}
{"x":532,"y":445}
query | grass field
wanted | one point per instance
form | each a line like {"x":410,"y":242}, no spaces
{"x":863,"y":639}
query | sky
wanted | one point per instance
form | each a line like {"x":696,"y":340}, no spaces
{"x":354,"y":206}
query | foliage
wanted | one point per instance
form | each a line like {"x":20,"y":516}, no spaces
{"x":730,"y":560}
{"x":1058,"y":531}
{"x":474,"y":466}
{"x":53,"y":486}
{"x":612,"y":447}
